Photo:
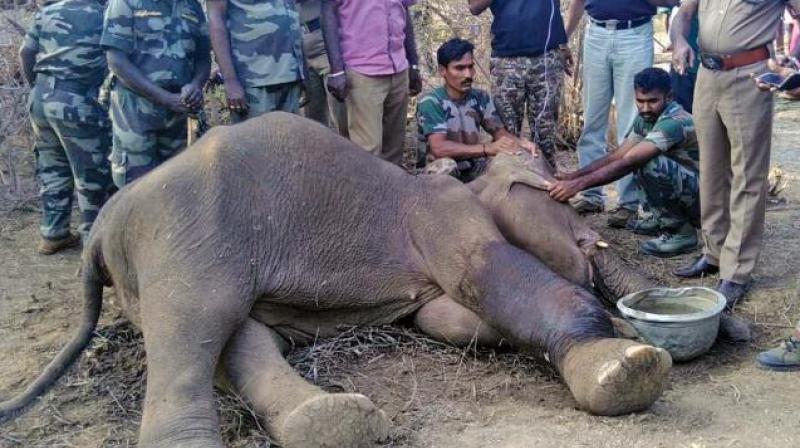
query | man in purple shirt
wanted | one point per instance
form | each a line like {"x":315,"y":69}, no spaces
{"x":373,"y":59}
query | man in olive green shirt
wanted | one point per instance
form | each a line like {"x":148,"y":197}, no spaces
{"x":734,"y":131}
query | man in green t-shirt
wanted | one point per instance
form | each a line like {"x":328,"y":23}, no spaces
{"x":450,"y":119}
{"x":661,"y":151}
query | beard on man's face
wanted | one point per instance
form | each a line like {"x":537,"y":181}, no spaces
{"x":649,"y":116}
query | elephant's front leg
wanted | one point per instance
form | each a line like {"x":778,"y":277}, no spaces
{"x":185,"y":325}
{"x":297,"y":413}
{"x":535,"y":308}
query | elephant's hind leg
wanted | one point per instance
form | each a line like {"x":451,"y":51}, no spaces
{"x":446,"y":320}
{"x":185,"y":325}
{"x":297,"y":413}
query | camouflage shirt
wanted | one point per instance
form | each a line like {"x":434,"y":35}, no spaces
{"x":161,"y":37}
{"x":265,"y":41}
{"x":672,"y":133}
{"x":460,"y":120}
{"x":66,"y":38}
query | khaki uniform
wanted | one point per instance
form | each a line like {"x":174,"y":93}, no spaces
{"x":734,"y":131}
{"x":322,"y":105}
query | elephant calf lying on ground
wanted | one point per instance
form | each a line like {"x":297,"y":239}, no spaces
{"x":278,"y":229}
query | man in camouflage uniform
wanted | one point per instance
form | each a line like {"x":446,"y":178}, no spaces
{"x":257,"y":44}
{"x":450,"y":119}
{"x":529,"y":58}
{"x":159,"y":55}
{"x":322,"y":105}
{"x":63,"y":61}
{"x":661,"y":151}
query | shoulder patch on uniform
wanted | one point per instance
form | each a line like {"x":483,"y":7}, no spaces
{"x":143,"y":13}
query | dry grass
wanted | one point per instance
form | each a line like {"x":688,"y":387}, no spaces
{"x":16,"y":159}
{"x":403,"y":371}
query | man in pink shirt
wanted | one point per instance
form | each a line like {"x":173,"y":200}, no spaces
{"x":373,"y":59}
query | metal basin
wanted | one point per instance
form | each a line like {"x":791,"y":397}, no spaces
{"x":683,"y":321}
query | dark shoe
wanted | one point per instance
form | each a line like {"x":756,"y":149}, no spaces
{"x":619,"y":218}
{"x":783,"y":358}
{"x":733,"y":292}
{"x":584,"y":206}
{"x":671,"y":244}
{"x":699,"y":268}
{"x":645,"y":226}
{"x":50,"y":247}
{"x":733,"y":329}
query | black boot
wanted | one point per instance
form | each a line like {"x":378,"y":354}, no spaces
{"x":700,"y":268}
{"x":733,"y":292}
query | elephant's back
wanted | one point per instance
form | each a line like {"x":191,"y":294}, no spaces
{"x":316,"y":215}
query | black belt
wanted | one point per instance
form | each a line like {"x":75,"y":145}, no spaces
{"x":613,"y":24}
{"x":65,"y":85}
{"x":312,"y":25}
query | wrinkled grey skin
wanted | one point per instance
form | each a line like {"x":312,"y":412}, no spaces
{"x":277,"y":229}
{"x":514,"y":188}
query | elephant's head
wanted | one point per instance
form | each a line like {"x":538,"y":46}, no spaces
{"x":515,"y":190}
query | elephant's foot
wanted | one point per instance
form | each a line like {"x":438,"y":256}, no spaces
{"x":616,"y":376}
{"x":334,"y":420}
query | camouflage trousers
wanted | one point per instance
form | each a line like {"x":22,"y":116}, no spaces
{"x":145,"y":135}
{"x":285,"y":97}
{"x":72,"y":139}
{"x":671,"y":191}
{"x":521,"y":85}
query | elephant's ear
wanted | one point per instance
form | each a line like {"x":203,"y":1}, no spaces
{"x":521,"y":169}
{"x":530,"y":179}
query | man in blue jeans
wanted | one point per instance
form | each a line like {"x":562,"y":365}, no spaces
{"x":618,"y":44}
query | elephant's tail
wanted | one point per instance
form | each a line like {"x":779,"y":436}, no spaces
{"x":92,"y":280}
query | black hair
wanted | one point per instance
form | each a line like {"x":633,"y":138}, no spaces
{"x":453,"y":50}
{"x":653,"y":79}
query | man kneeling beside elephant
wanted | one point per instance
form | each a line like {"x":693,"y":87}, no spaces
{"x":340,"y":237}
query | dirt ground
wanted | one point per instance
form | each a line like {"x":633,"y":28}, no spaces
{"x":437,"y":396}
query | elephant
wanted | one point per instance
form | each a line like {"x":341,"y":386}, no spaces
{"x":277,"y":230}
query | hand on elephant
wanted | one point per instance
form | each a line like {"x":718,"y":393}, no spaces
{"x":337,"y":86}
{"x":503,"y":144}
{"x":563,"y":190}
{"x":529,"y":146}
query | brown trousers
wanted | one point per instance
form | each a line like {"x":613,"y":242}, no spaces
{"x":377,"y":107}
{"x":733,"y":120}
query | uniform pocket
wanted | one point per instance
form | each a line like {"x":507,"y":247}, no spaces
{"x":150,"y":27}
{"x":119,"y":167}
{"x":73,"y":108}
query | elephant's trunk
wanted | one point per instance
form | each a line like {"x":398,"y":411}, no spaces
{"x":613,"y":279}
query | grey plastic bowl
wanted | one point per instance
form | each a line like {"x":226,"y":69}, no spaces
{"x":683,"y":321}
